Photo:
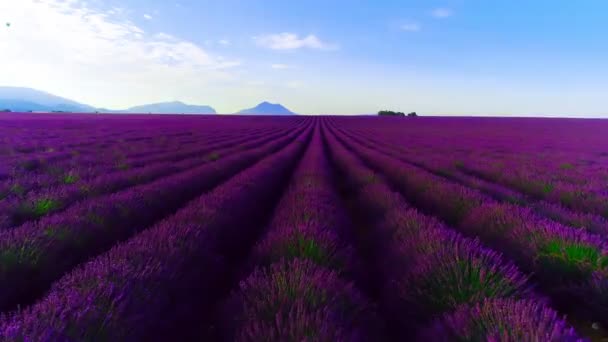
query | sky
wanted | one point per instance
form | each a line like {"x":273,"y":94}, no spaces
{"x":445,"y":57}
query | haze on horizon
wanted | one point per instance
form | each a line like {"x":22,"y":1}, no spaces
{"x":449,"y":57}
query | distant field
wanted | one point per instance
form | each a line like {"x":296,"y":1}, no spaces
{"x":262,"y":228}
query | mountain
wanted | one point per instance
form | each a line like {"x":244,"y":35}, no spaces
{"x":174,"y":107}
{"x":266,"y":108}
{"x":25,"y":99}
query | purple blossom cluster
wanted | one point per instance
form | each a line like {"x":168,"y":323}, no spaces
{"x":504,"y":320}
{"x":430,"y":269}
{"x":560,"y":161}
{"x":442,"y":165}
{"x":296,"y":300}
{"x":145,"y":287}
{"x":298,"y":289}
{"x":561,"y":257}
{"x":262,"y":228}
{"x":37,"y":253}
{"x":19,"y":210}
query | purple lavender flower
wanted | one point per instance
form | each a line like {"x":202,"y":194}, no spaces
{"x":504,"y":320}
{"x":295,"y":300}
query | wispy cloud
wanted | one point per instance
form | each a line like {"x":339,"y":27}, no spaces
{"x":164,"y":36}
{"x":280,"y":66}
{"x":441,"y":12}
{"x":147,"y":16}
{"x":105,"y":54}
{"x":291,"y":41}
{"x":411,"y":27}
{"x":224,"y":42}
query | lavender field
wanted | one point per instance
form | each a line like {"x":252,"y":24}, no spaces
{"x":296,"y":228}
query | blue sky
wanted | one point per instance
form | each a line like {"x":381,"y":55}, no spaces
{"x":451,"y":57}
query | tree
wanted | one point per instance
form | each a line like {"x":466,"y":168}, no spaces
{"x":412,"y":114}
{"x":390,"y":113}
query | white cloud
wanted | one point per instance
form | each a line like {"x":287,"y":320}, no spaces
{"x":165,"y":36}
{"x":291,"y":41}
{"x":72,"y":49}
{"x":224,"y":42}
{"x":280,"y":66}
{"x":411,"y":27}
{"x":147,"y":16}
{"x":441,"y":13}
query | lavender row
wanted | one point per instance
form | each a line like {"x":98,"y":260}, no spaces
{"x":37,"y":253}
{"x":74,"y":168}
{"x":590,"y":198}
{"x":150,"y":138}
{"x":297,"y":300}
{"x":501,"y":320}
{"x":53,"y":166}
{"x":53,"y":153}
{"x":194,"y":150}
{"x":16,"y":211}
{"x":568,"y":171}
{"x":146,"y":287}
{"x":593,"y":223}
{"x":296,"y":290}
{"x":567,"y":262}
{"x":30,"y":133}
{"x":428,"y":269}
{"x":563,"y":151}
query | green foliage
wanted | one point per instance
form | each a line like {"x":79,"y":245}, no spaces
{"x":213,"y":156}
{"x":307,"y":248}
{"x":34,"y":210}
{"x":390,"y":113}
{"x":95,"y":218}
{"x":122,"y":165}
{"x":8,"y":258}
{"x":369,"y":178}
{"x":44,"y":206}
{"x":70,"y":178}
{"x":54,"y":171}
{"x":85,"y":189}
{"x":12,"y":257}
{"x":31,"y":165}
{"x":548,"y":187}
{"x":571,"y":259}
{"x":17,"y":189}
{"x":58,"y":233}
{"x":449,"y":285}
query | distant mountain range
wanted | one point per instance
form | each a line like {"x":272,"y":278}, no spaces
{"x":174,"y":107}
{"x":26,"y":99}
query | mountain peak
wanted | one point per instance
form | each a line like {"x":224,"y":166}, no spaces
{"x":267,"y":108}
{"x":24,"y":99}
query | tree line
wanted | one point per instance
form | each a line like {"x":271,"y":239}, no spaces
{"x":391,"y":113}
